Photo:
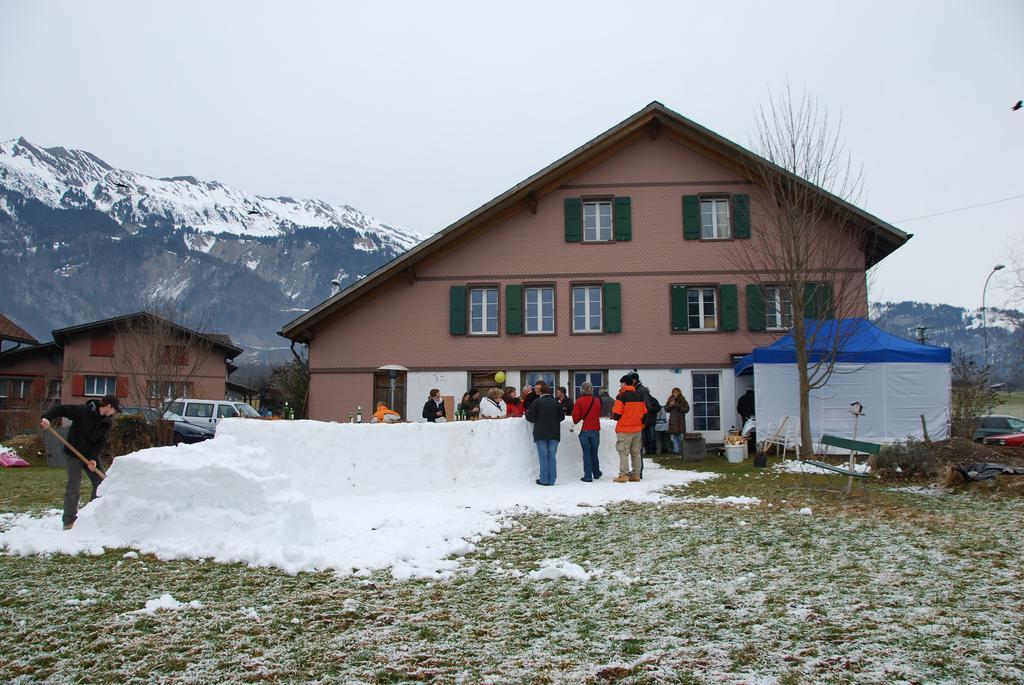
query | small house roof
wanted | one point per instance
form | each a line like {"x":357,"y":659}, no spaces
{"x":15,"y":333}
{"x":217,"y":340}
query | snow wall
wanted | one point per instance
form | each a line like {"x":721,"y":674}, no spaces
{"x":308,"y":495}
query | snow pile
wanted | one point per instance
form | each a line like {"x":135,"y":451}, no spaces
{"x":166,"y":602}
{"x":713,"y":499}
{"x":306,"y":495}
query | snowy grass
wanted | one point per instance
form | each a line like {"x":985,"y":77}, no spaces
{"x":893,"y":586}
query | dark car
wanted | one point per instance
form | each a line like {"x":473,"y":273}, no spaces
{"x":997,"y":425}
{"x":184,"y":432}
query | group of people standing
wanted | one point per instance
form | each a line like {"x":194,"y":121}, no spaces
{"x":634,"y":410}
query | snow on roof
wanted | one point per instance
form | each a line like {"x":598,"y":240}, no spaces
{"x":307,"y":495}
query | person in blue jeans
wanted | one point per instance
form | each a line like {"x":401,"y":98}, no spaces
{"x":588,"y":410}
{"x":545,"y":413}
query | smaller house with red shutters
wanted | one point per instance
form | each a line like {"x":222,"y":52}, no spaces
{"x":141,"y":358}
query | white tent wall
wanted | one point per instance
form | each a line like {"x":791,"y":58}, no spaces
{"x":894,"y":395}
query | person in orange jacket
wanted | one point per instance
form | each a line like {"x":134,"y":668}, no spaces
{"x":385,"y":415}
{"x":628,"y":413}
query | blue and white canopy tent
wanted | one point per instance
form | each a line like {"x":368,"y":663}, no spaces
{"x":897,"y":380}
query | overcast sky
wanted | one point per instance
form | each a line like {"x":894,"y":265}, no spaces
{"x":418,"y":113}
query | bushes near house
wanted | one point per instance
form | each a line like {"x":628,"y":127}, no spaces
{"x":129,"y":433}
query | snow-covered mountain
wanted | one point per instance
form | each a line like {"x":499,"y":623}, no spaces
{"x":71,"y":224}
{"x":61,"y":178}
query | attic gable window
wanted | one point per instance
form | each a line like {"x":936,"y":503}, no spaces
{"x":597,"y":221}
{"x":714,"y":218}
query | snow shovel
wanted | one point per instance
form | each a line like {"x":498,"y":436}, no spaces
{"x":77,"y":454}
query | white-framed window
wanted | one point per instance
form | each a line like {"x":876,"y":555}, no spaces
{"x":706,"y":405}
{"x":531,"y":377}
{"x":778,"y":308}
{"x":167,"y":390}
{"x":701,"y":312}
{"x":586,"y":309}
{"x":97,"y":386}
{"x":714,"y":218}
{"x":540,"y":309}
{"x":597,"y":221}
{"x":596,"y":378}
{"x":483,"y":311}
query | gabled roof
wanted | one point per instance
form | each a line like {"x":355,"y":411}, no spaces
{"x":217,"y":340}
{"x":15,"y":333}
{"x":653,"y":119}
{"x":17,"y":353}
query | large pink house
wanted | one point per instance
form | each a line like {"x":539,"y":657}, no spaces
{"x":622,"y":254}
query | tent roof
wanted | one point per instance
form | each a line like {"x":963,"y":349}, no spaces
{"x":861,"y":343}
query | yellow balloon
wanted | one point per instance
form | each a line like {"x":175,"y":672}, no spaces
{"x":499,"y":377}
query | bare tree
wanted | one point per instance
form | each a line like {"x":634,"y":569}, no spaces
{"x":807,"y":252}
{"x":972,"y":395}
{"x":1013,"y":284}
{"x":161,"y":356}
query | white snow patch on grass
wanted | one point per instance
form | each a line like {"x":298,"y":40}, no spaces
{"x":166,"y":602}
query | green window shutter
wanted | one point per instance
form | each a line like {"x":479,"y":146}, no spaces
{"x":612,"y":300}
{"x":573,"y":223}
{"x":755,"y":308}
{"x":680,"y":319}
{"x":514,"y":309}
{"x":457,"y":311}
{"x":729,"y":308}
{"x":741,"y":216}
{"x":623,"y":219}
{"x":691,"y":217}
{"x":818,"y":301}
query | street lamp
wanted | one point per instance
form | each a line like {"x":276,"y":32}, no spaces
{"x":984,"y":313}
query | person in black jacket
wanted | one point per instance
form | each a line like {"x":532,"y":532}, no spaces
{"x":433,"y":409}
{"x":545,"y":413}
{"x":565,"y":401}
{"x":88,"y":434}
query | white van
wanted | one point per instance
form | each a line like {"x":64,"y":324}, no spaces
{"x":207,"y":413}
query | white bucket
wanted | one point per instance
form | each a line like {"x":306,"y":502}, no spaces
{"x":735,"y":453}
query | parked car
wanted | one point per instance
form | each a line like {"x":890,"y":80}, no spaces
{"x":1010,"y":440}
{"x":184,"y":432}
{"x":997,"y":425}
{"x":206,"y":413}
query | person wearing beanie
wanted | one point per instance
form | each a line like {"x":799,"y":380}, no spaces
{"x":628,"y":413}
{"x":88,"y":434}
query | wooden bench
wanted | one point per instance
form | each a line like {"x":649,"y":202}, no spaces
{"x":845,"y":443}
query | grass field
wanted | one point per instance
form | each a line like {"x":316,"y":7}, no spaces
{"x":1012,"y":404}
{"x":894,"y":586}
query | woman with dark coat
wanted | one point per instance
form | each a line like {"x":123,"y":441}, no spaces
{"x":677,"y":407}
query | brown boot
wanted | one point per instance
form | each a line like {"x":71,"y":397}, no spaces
{"x":624,"y":478}
{"x":634,"y":478}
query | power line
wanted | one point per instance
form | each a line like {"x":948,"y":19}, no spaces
{"x":961,"y":209}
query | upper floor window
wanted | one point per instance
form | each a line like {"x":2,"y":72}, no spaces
{"x":540,"y":309}
{"x":483,"y":311}
{"x":97,"y":386}
{"x":700,"y":309}
{"x":597,"y":221}
{"x":175,"y":355}
{"x":586,"y":309}
{"x":778,"y":308}
{"x":714,"y":218}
